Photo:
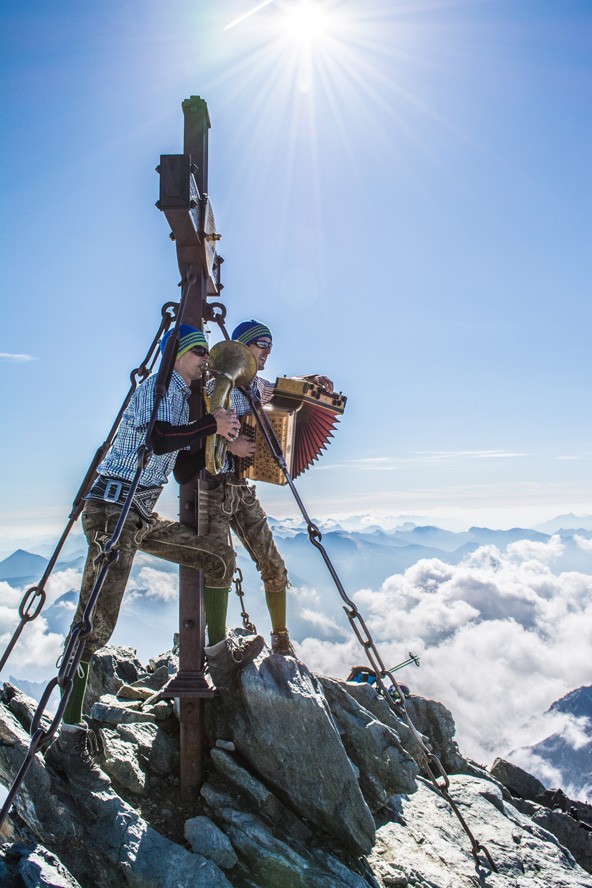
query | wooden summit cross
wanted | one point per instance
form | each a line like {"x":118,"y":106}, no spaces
{"x":185,"y":203}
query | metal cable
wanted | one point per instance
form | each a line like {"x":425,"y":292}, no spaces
{"x":429,"y":761}
{"x":34,"y":598}
{"x":107,"y":557}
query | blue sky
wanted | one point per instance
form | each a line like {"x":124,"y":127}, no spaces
{"x":405,"y":198}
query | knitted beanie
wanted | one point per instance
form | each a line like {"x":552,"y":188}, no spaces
{"x":249,"y":331}
{"x":189,"y":337}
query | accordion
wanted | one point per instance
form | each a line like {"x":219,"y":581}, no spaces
{"x":303,"y":415}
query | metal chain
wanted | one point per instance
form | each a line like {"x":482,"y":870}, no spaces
{"x":429,"y":761}
{"x":106,"y":559}
{"x":34,"y":599}
{"x":238,"y":588}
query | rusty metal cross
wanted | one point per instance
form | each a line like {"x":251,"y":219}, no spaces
{"x":184,"y":201}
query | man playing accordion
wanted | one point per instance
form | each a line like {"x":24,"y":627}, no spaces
{"x":232,"y":503}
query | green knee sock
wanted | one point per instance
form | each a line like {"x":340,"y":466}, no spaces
{"x":73,"y":710}
{"x":276,"y":605}
{"x":216,"y":608}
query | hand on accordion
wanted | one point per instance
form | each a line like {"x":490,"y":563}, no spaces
{"x":242,"y":446}
{"x":324,"y":381}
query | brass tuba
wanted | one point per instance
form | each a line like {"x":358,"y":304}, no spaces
{"x":233,"y":364}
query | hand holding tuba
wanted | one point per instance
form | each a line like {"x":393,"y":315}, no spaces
{"x":233,"y":364}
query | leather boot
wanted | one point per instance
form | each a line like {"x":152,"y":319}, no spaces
{"x":73,"y":753}
{"x":281,"y":644}
{"x":229,"y":656}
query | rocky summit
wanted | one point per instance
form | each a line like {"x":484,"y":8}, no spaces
{"x":309,"y":782}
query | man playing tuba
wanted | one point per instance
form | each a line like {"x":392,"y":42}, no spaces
{"x":232,"y":504}
{"x":144,"y":529}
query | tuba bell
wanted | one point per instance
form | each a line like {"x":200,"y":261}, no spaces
{"x":233,"y":364}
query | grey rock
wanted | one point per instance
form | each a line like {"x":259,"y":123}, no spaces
{"x":142,"y":734}
{"x":121,"y":762}
{"x":154,"y":680}
{"x":131,"y":692}
{"x":274,"y":861}
{"x":273,"y":798}
{"x":157,"y":751}
{"x":35,"y":801}
{"x":384,"y":766}
{"x":133,"y":751}
{"x":110,"y":668}
{"x":569,"y":832}
{"x":255,"y":795}
{"x":375,"y":703}
{"x":159,"y":711}
{"x":22,"y":706}
{"x":38,"y":868}
{"x":522,"y":805}
{"x":8,"y":878}
{"x":168,"y":659}
{"x":32,"y":866}
{"x":148,"y":860}
{"x":99,"y":838}
{"x":258,"y":794}
{"x":112,"y":700}
{"x":206,"y":839}
{"x":557,"y":800}
{"x":426,"y":843}
{"x":517,"y":781}
{"x":435,"y":721}
{"x":280,"y":722}
{"x":110,"y":714}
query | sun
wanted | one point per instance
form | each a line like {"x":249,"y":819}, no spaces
{"x":304,"y":21}
{"x":305,"y":32}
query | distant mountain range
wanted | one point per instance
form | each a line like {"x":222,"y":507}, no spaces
{"x":568,"y":752}
{"x":402,"y":533}
{"x":364,"y":553}
{"x":363,"y":558}
{"x":566,"y":522}
{"x":24,"y":567}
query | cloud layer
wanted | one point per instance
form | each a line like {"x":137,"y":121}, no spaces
{"x":500,"y":638}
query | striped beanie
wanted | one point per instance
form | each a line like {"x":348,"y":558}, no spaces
{"x":249,"y":331}
{"x":189,"y":337}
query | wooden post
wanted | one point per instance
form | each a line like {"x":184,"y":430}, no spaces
{"x":188,"y":215}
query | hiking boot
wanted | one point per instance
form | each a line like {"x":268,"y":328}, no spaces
{"x":73,"y":753}
{"x":229,"y":656}
{"x":281,"y":644}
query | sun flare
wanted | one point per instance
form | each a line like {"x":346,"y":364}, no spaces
{"x":304,"y":22}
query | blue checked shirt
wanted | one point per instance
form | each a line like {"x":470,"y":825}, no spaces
{"x":260,"y":388}
{"x":122,"y":461}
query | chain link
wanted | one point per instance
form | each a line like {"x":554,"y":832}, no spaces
{"x":37,"y":593}
{"x":104,"y":561}
{"x":429,"y":761}
{"x":24,"y":610}
{"x":109,"y":556}
{"x":238,"y":588}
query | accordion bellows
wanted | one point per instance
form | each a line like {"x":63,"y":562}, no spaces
{"x":303,"y":416}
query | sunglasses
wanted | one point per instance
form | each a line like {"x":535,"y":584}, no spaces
{"x":263,"y":344}
{"x":199,"y":350}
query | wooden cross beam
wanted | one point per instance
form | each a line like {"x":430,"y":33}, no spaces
{"x":185,"y":203}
